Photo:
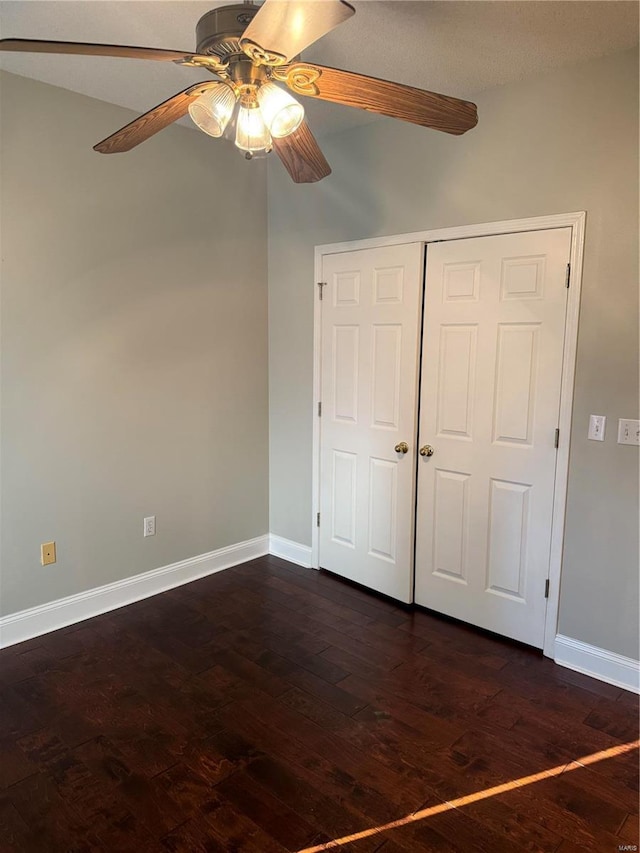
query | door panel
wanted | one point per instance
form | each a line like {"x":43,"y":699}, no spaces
{"x":344,"y":498}
{"x":451,"y":514}
{"x":386,"y":374}
{"x":345,"y":372}
{"x":515,"y":387}
{"x":493,"y":336}
{"x":370,"y":358}
{"x":383,"y":494}
{"x":456,"y":381}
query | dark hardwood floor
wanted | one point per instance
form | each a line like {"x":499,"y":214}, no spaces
{"x":271,"y":708}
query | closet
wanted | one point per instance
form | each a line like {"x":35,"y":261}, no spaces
{"x":440,"y":385}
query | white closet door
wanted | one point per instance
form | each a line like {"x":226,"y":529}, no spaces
{"x":494,"y":318}
{"x":370,"y":357}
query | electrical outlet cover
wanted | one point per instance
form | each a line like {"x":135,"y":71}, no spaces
{"x":48,"y":553}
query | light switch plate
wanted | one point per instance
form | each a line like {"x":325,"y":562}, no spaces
{"x":628,"y":431}
{"x":597,"y":425}
{"x":150,"y":526}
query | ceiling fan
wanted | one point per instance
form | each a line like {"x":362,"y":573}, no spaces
{"x":250,"y":49}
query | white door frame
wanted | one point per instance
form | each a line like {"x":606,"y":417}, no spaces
{"x":575,"y":221}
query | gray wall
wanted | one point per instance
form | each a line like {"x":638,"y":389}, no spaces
{"x":563,"y":142}
{"x":134,"y":345}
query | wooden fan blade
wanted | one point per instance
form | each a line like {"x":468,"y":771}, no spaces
{"x":396,"y":100}
{"x":282,"y":28}
{"x":301,"y":156}
{"x":155,"y":120}
{"x":116,"y":50}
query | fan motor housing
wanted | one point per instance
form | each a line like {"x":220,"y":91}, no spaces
{"x":218,"y":32}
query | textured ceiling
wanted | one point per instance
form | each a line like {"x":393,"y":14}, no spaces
{"x":456,"y":48}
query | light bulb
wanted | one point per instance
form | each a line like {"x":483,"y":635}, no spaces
{"x":212,"y":110}
{"x":282,"y":113}
{"x":252,"y":134}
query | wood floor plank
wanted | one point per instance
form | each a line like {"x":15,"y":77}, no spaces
{"x":315,"y":603}
{"x":57,"y":826}
{"x":19,"y":714}
{"x":458,"y":827}
{"x":393,"y":743}
{"x":629,"y":832}
{"x":302,"y":674}
{"x":335,"y":819}
{"x":605,"y":787}
{"x":190,"y":789}
{"x":270,"y":813}
{"x":336,"y":590}
{"x":442,"y":694}
{"x":332,"y":760}
{"x":193,"y":836}
{"x":614,"y":718}
{"x":519,"y":828}
{"x":14,"y":764}
{"x":354,"y":642}
{"x":552,"y":803}
{"x":386,"y":702}
{"x":234,"y":828}
{"x":15,"y":834}
{"x":296,"y":657}
{"x":350,"y":664}
{"x":252,"y":672}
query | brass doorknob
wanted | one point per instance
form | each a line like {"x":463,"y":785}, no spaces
{"x":427,"y":450}
{"x":402,"y":447}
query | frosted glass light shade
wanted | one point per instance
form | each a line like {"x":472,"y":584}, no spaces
{"x":252,"y":134}
{"x":211,"y":112}
{"x":282,"y":114}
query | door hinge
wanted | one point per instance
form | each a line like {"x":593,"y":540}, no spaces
{"x":319,"y":409}
{"x":566,"y":281}
{"x":546,"y":588}
{"x":556,"y":442}
{"x":318,"y":520}
{"x":321,"y":284}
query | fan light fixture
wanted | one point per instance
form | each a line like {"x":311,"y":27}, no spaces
{"x":269,"y":112}
{"x":282,"y":113}
{"x":252,"y":134}
{"x":212,"y":110}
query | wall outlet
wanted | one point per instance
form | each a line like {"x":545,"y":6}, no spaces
{"x":48,"y":553}
{"x":597,"y":425}
{"x":150,"y":526}
{"x":628,"y":431}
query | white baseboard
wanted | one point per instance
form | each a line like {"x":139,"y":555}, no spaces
{"x":35,"y":621}
{"x":17,"y":627}
{"x":599,"y":663}
{"x":288,"y":550}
